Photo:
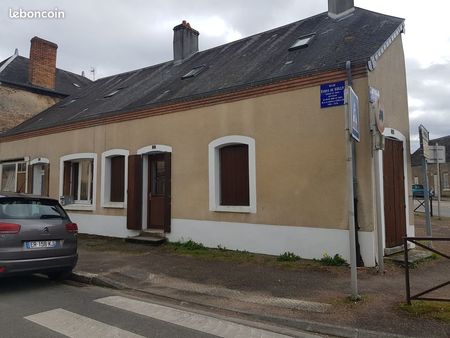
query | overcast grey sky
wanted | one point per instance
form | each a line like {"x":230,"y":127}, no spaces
{"x":115,"y":36}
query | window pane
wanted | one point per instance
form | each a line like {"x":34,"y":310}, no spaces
{"x":75,"y":180}
{"x":85,"y":179}
{"x":16,"y":208}
{"x":158,"y":170}
{"x":234,"y":176}
{"x":9,"y":177}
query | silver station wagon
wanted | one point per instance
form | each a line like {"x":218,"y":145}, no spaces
{"x":36,"y":235}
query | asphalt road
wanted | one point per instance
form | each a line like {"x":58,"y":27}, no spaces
{"x":37,"y":307}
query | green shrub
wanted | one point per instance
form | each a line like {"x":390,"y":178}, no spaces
{"x":336,"y":260}
{"x":288,"y":257}
{"x":189,"y":245}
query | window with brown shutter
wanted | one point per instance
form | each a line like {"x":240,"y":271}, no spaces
{"x":234,"y":175}
{"x":117,"y":183}
{"x":78,"y":181}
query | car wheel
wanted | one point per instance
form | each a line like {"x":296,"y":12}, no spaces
{"x":59,"y":274}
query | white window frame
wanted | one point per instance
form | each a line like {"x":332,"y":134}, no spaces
{"x":106,"y":179}
{"x":214,"y":174}
{"x":16,"y":164}
{"x":79,"y":205}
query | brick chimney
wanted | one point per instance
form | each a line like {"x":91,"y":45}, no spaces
{"x":340,"y":8}
{"x":185,"y":41}
{"x":42,"y":66}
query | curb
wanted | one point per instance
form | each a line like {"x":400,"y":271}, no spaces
{"x":300,"y":324}
{"x":98,"y":280}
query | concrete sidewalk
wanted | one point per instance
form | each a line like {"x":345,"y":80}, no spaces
{"x":302,"y":295}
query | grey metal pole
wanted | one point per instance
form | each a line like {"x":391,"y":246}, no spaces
{"x":378,"y":154}
{"x":350,"y":197}
{"x":438,"y":183}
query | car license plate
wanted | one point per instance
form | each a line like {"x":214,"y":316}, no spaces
{"x":40,"y":244}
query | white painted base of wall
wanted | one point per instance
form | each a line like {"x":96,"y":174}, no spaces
{"x":112,"y":226}
{"x":306,"y":242}
{"x":272,"y":239}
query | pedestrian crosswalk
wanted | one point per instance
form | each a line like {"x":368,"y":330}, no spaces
{"x":74,"y":325}
{"x":71,"y":324}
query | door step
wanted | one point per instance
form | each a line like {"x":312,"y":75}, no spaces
{"x":153,"y":233}
{"x":414,"y":256}
{"x":396,"y":249}
{"x":148,"y":237}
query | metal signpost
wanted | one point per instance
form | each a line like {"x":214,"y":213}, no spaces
{"x":437,"y":153}
{"x":352,"y":127}
{"x":377,"y":127}
{"x":424,"y":136}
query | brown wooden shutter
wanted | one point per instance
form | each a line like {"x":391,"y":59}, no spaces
{"x":234,"y":177}
{"x":134,"y":203}
{"x":46,"y":180}
{"x":117,"y":183}
{"x":167,"y":190}
{"x":66,"y":178}
{"x":30,"y":179}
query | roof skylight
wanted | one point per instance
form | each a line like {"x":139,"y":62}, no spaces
{"x":67,"y":103}
{"x":302,"y":42}
{"x":114,"y":92}
{"x":76,"y":84}
{"x":194,"y":72}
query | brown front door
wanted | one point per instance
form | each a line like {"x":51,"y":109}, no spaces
{"x":159,"y":172}
{"x":394,"y":193}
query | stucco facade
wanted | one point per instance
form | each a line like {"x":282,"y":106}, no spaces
{"x":296,"y":156}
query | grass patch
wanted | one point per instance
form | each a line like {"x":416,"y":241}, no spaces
{"x":336,"y":260}
{"x":101,"y":243}
{"x":428,"y":309}
{"x":191,"y":248}
{"x":288,"y":257}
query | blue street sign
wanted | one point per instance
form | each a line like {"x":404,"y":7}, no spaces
{"x":332,"y":94}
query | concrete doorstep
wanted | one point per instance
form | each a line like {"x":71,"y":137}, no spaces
{"x":154,"y":283}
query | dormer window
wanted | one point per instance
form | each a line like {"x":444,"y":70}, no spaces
{"x":194,"y":72}
{"x":302,"y":42}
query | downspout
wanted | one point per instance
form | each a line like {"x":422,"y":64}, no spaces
{"x":359,"y":260}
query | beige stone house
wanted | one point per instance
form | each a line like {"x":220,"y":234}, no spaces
{"x":30,"y":85}
{"x":240,"y":145}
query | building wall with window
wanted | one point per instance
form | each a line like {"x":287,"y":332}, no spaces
{"x":296,"y":198}
{"x":444,"y":170}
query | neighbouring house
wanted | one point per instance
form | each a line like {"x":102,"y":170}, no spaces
{"x":31,"y":85}
{"x":444,"y":168}
{"x":242,"y":145}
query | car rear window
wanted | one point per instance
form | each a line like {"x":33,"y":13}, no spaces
{"x":19,"y":208}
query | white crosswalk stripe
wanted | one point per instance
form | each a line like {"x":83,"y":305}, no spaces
{"x":199,"y":322}
{"x":77,"y":326}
